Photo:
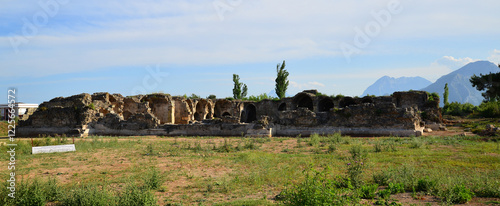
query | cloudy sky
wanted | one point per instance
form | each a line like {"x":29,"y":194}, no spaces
{"x":51,"y":48}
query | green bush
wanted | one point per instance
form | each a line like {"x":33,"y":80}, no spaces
{"x":225,"y":148}
{"x":314,"y":140}
{"x":92,"y":106}
{"x":396,"y":188}
{"x":35,"y":192}
{"x":486,"y":109}
{"x":434,"y":97}
{"x":416,"y":142}
{"x":336,"y":138}
{"x":426,"y":185}
{"x":260,"y":97}
{"x":153,"y":179}
{"x":458,"y":194}
{"x":382,"y":178}
{"x":89,"y":195}
{"x":31,"y":193}
{"x":331,"y":148}
{"x":459,"y":109}
{"x":377,"y":147}
{"x":489,"y":109}
{"x":316,"y":189}
{"x":136,"y":196}
{"x":356,"y":165}
{"x":251,"y":145}
{"x":384,"y":194}
{"x":368,"y":191}
{"x":194,"y":96}
{"x":357,"y":152}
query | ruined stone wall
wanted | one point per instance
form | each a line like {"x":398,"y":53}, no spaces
{"x":203,"y":109}
{"x":183,"y":113}
{"x":162,"y":106}
{"x":403,"y":113}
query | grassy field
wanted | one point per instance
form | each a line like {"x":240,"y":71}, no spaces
{"x":260,"y":171}
{"x":3,"y":129}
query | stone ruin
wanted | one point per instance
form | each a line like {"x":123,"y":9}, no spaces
{"x":308,"y":112}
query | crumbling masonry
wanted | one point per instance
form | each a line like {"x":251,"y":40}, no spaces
{"x":402,"y":114}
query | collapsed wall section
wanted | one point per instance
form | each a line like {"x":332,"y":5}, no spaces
{"x":162,"y":107}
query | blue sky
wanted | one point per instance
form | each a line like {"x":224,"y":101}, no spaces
{"x":52,"y":48}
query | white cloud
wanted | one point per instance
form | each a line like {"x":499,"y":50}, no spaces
{"x":495,"y":56}
{"x":100,"y":34}
{"x":452,"y":62}
{"x":308,"y":85}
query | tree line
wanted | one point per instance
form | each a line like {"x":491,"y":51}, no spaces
{"x":490,"y":107}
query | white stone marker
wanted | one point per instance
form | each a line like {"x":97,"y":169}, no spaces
{"x":54,"y":148}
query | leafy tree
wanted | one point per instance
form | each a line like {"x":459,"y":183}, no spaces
{"x":281,"y":80}
{"x":240,"y":89}
{"x":194,"y":96}
{"x":433,"y":96}
{"x":490,"y":83}
{"x":212,"y":96}
{"x":259,"y":98}
{"x":445,"y":94}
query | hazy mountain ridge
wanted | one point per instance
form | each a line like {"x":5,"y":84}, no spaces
{"x":387,"y":85}
{"x":460,"y":88}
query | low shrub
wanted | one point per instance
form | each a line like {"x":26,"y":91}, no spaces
{"x":136,"y":196}
{"x":382,"y":178}
{"x":34,"y":192}
{"x":458,"y":194}
{"x":316,"y":189}
{"x":416,"y":143}
{"x":356,"y":165}
{"x":31,"y":193}
{"x":153,"y":179}
{"x":89,"y":195}
{"x":331,"y":148}
{"x":384,"y":194}
{"x":396,"y":188}
{"x":459,"y":109}
{"x":368,"y":191}
{"x":489,"y":109}
{"x":314,"y":140}
{"x":378,"y":147}
{"x":250,"y":145}
{"x":225,"y":148}
{"x":426,"y":185}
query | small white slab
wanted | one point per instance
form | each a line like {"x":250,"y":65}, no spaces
{"x":54,"y":148}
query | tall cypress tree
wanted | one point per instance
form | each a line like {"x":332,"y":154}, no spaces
{"x":445,"y":94}
{"x":281,"y":80}
{"x":240,"y":89}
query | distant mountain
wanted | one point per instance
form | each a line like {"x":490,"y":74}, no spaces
{"x":388,"y":85}
{"x":459,"y":86}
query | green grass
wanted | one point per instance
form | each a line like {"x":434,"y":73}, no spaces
{"x":3,"y":128}
{"x":253,"y":171}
